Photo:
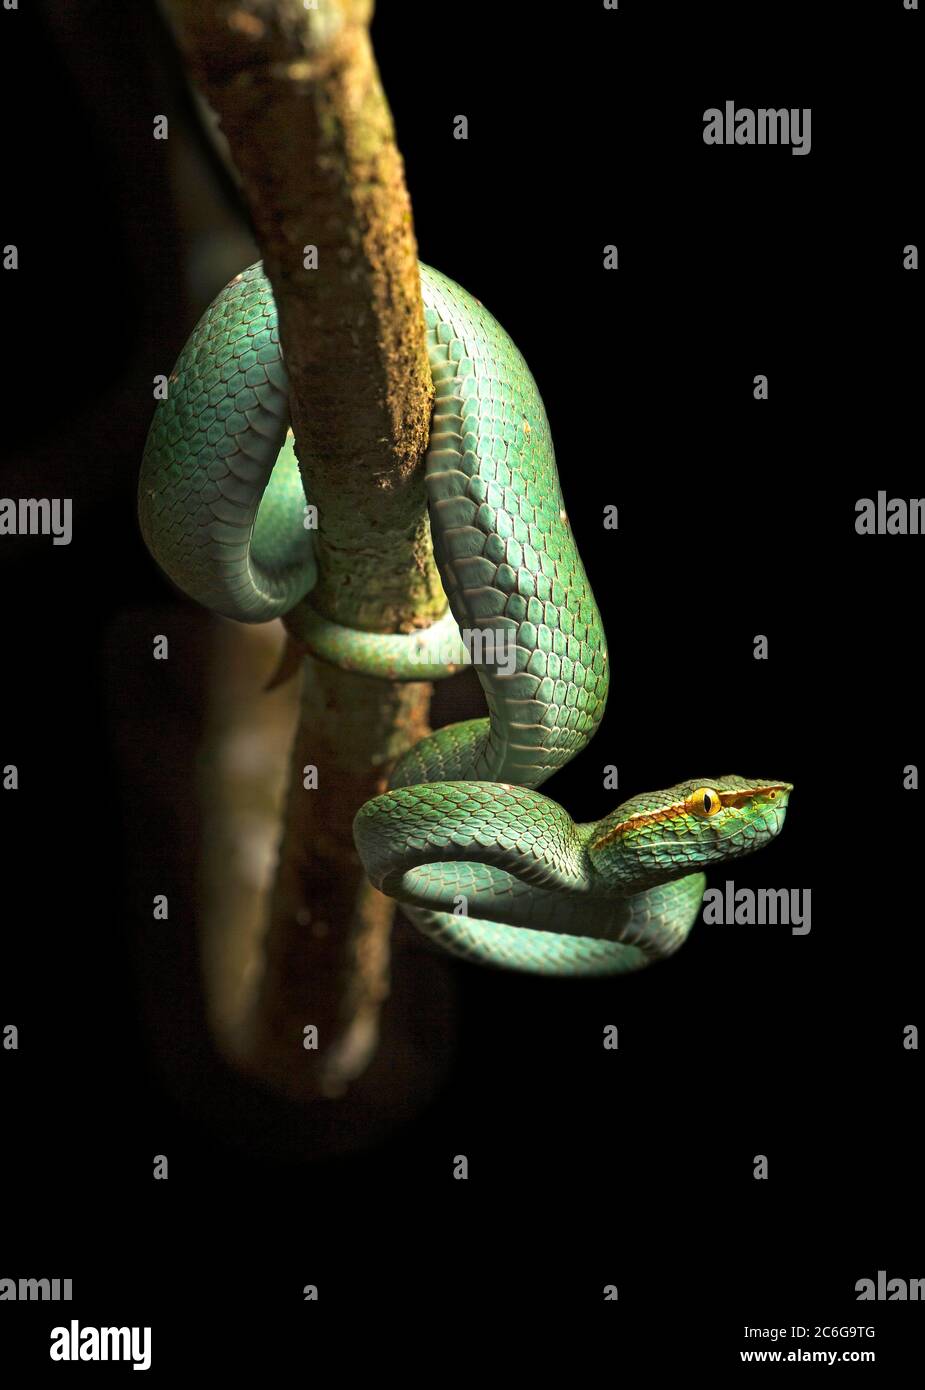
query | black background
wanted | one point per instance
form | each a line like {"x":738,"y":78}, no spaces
{"x":736,"y":518}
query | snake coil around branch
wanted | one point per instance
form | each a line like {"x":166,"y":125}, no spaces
{"x":481,"y":862}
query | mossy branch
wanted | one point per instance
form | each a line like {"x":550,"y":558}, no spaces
{"x":301,"y":104}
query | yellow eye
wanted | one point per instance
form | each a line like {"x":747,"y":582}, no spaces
{"x":704,"y":802}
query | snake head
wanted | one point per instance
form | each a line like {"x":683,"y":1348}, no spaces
{"x":663,"y":835}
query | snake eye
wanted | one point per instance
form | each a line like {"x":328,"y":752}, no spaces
{"x":704,"y":802}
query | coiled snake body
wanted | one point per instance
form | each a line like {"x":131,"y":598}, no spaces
{"x":481,"y":861}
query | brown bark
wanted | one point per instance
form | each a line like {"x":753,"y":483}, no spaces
{"x":310,"y":132}
{"x":329,"y":965}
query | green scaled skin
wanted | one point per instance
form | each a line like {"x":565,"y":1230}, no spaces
{"x":483,"y":864}
{"x":595,"y":899}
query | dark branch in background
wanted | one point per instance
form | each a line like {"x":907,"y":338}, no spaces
{"x":310,"y":132}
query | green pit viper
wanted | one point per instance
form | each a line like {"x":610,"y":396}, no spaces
{"x":480,"y":860}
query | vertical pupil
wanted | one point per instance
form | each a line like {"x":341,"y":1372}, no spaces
{"x":707,"y":803}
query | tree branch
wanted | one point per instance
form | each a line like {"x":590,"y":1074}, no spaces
{"x":309,"y":129}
